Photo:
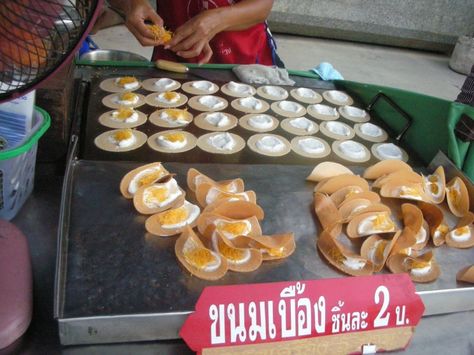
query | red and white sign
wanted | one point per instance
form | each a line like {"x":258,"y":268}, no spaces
{"x":283,"y":311}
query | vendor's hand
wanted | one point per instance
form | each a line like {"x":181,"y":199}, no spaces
{"x":192,"y":38}
{"x":141,"y":12}
{"x":206,"y":54}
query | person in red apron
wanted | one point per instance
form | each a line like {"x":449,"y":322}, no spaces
{"x":214,"y":31}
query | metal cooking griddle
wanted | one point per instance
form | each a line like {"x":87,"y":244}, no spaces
{"x":94,"y":108}
{"x":116,"y":283}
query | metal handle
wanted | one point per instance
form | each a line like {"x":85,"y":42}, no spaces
{"x":171,"y":66}
{"x":396,"y":107}
{"x":464,"y":129}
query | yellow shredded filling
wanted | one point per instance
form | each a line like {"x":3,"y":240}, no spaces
{"x":434,"y":188}
{"x":223,"y":195}
{"x":175,"y":137}
{"x":175,"y":114}
{"x":383,"y":223}
{"x":233,"y":228}
{"x":336,"y":255}
{"x":406,"y":251}
{"x":433,"y":178}
{"x":170,"y":95}
{"x":124,"y":112}
{"x":461,"y":230}
{"x":276,"y":251}
{"x":173,"y":216}
{"x":160,"y":33}
{"x":441,"y":230}
{"x":353,"y":191}
{"x":233,"y":254}
{"x":419,"y":264}
{"x":228,"y":187}
{"x":124,"y":80}
{"x":455,"y":197}
{"x":380,"y":250}
{"x":199,"y":257}
{"x":128,"y":96}
{"x":123,"y":135}
{"x":149,"y":178}
{"x":157,"y":193}
{"x":407,"y":191}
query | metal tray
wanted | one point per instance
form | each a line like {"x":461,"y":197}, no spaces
{"x":113,"y":271}
{"x":116,"y":283}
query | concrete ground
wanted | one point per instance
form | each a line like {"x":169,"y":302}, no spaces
{"x":417,"y":71}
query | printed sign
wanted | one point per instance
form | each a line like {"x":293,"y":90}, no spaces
{"x":227,"y":316}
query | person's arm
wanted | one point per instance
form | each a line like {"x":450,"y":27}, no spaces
{"x":136,"y":12}
{"x":192,"y":38}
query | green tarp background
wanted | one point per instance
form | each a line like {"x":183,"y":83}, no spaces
{"x":433,"y":123}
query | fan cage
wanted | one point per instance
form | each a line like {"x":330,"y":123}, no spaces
{"x":36,"y":38}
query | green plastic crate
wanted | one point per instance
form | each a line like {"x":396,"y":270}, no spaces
{"x":17,"y":168}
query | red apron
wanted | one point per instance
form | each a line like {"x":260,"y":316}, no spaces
{"x":249,"y":46}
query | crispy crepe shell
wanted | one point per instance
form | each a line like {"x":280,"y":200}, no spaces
{"x":272,"y":247}
{"x":465,"y":244}
{"x":237,"y":185}
{"x":207,"y":223}
{"x":335,"y":254}
{"x":412,"y":217}
{"x":367,"y":249}
{"x":400,"y":263}
{"x":326,"y":170}
{"x":224,"y":247}
{"x":439,"y":234}
{"x":140,"y":206}
{"x":433,"y":215}
{"x":125,"y":182}
{"x":331,"y":185}
{"x":466,"y":274}
{"x":405,"y":242}
{"x":466,"y":220}
{"x":191,"y":178}
{"x":374,"y":207}
{"x":352,"y":228}
{"x":458,"y":203}
{"x":402,"y":176}
{"x":348,"y":208}
{"x":370,"y":251}
{"x":464,"y":223}
{"x":440,"y":182}
{"x":385,"y":167}
{"x":327,"y":212}
{"x":394,"y":189}
{"x":343,"y":193}
{"x":235,"y":209}
{"x":420,"y":244}
{"x":368,"y":195}
{"x":153,"y":226}
{"x":198,"y":272}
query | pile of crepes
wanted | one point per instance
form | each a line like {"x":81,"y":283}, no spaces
{"x":344,"y":199}
{"x":228,"y":237}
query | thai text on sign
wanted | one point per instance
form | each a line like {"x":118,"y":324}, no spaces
{"x":272,"y":312}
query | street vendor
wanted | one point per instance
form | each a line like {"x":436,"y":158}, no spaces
{"x":204,"y":31}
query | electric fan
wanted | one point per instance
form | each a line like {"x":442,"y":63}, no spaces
{"x":37,"y":37}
